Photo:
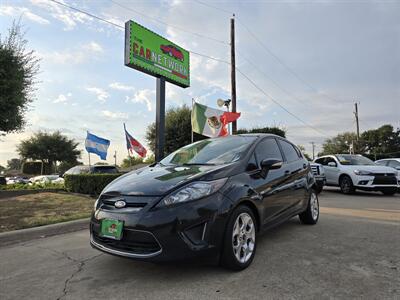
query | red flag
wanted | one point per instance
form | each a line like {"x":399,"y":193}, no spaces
{"x":133,"y":145}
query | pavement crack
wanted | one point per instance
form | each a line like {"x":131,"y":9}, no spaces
{"x":81,"y":265}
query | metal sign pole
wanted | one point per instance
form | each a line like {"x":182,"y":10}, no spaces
{"x":160,"y":118}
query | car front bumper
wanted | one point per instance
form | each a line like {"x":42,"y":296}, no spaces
{"x":376,"y":183}
{"x":165,"y":233}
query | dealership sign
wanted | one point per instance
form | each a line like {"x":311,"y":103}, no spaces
{"x":150,"y":53}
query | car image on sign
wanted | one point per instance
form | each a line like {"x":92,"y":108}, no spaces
{"x":172,"y":51}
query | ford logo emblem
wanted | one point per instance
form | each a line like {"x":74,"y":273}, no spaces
{"x":120,"y":204}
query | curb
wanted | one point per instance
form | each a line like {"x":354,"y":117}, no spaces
{"x":25,"y":235}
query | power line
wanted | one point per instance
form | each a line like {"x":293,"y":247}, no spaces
{"x":203,"y":55}
{"x":119,"y":26}
{"x":214,"y":7}
{"x":88,"y":14}
{"x":280,"y":105}
{"x":170,"y":25}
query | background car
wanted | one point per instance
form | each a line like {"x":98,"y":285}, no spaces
{"x":209,"y":198}
{"x":351,"y":172}
{"x":319,"y":175}
{"x":95,"y":169}
{"x":389,"y":162}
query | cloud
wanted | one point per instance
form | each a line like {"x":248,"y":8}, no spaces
{"x":60,"y":99}
{"x":121,"y":87}
{"x":93,"y":47}
{"x":143,"y":96}
{"x":77,"y":55}
{"x":23,"y":12}
{"x":101,"y":94}
{"x":69,"y":18}
{"x":114,"y":115}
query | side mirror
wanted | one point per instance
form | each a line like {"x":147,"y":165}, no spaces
{"x":269,"y":164}
{"x":332,"y":164}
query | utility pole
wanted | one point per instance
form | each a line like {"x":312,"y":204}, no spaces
{"x":358,"y":125}
{"x":233,"y":73}
{"x":313,"y":150}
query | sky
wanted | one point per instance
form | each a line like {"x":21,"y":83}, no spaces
{"x":314,"y":58}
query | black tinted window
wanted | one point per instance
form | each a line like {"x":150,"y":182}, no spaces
{"x":320,"y":161}
{"x":268,"y":148}
{"x":290,"y":152}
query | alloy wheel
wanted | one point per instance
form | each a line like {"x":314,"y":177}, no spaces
{"x":314,"y":206}
{"x":243,"y":237}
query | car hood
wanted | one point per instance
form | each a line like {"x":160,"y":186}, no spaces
{"x":159,"y":180}
{"x":374,"y":169}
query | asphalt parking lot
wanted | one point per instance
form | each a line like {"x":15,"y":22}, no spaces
{"x":353,"y":252}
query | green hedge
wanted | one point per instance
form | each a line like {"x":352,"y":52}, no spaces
{"x":36,"y":186}
{"x":91,"y":184}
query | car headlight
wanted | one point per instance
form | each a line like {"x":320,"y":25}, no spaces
{"x":192,"y":191}
{"x":361,"y":172}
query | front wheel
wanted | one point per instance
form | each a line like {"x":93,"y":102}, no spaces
{"x":346,"y":185}
{"x":311,"y":215}
{"x":239,"y":245}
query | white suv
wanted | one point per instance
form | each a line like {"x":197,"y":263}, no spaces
{"x":351,"y":172}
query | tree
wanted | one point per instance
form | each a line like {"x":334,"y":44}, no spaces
{"x":178,"y":129}
{"x":14,"y":164}
{"x":18,"y":68}
{"x":49,"y":148}
{"x":131,"y":161}
{"x":383,"y":141}
{"x":303,"y":150}
{"x":339,"y":144}
{"x":274,"y":130}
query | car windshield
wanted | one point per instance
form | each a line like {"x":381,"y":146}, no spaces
{"x":348,"y":159}
{"x":215,"y":151}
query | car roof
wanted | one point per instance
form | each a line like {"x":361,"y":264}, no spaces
{"x":259,"y":134}
{"x":398,"y":159}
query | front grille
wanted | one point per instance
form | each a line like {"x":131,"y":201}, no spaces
{"x":128,"y":204}
{"x":387,"y":178}
{"x":133,"y":241}
{"x":315,"y":170}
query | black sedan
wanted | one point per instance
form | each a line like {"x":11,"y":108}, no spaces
{"x":211,"y":197}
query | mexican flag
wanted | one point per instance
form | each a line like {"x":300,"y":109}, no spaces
{"x":211,"y":122}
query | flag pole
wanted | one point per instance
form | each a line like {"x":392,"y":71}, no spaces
{"x":130,"y":160}
{"x":87,"y":133}
{"x":191,"y":127}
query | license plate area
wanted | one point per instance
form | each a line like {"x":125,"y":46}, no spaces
{"x":111,"y":229}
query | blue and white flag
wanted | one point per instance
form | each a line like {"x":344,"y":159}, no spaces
{"x":97,"y":145}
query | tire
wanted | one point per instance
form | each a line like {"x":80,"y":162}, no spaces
{"x":311,"y":215}
{"x":389,"y":192}
{"x":346,"y":185}
{"x":236,"y":258}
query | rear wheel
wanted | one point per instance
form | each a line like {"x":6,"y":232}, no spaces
{"x":311,"y":215}
{"x":346,"y":185}
{"x":239,"y":245}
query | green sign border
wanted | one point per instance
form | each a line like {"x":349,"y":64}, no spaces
{"x":147,"y":66}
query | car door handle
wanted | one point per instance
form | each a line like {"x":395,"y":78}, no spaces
{"x":287,"y":172}
{"x":304,"y":166}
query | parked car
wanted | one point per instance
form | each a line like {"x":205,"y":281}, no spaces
{"x":82,"y":169}
{"x":209,"y":198}
{"x":389,"y":162}
{"x":44,"y":178}
{"x":351,"y":172}
{"x":319,"y":175}
{"x":17,"y":179}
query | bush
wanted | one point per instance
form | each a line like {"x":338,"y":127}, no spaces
{"x":36,"y":186}
{"x":91,"y":184}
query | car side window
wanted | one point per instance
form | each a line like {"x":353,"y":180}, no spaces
{"x":290,"y":152}
{"x":268,"y":148}
{"x":382,"y":162}
{"x":394,"y":164}
{"x":320,"y":161}
{"x":328,"y":160}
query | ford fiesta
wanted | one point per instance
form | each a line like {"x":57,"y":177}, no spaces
{"x":209,"y":198}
